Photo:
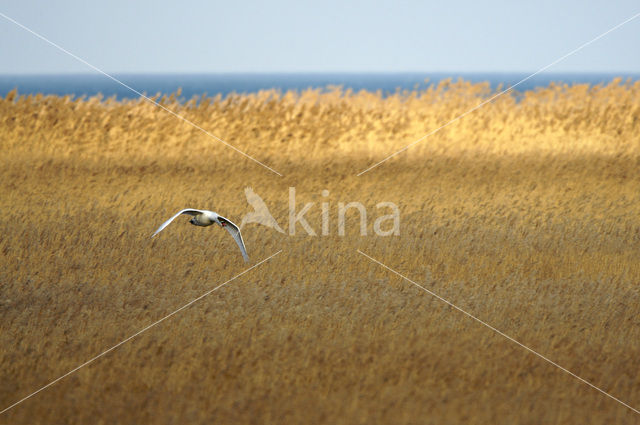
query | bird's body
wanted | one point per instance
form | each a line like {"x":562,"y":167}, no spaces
{"x":205,"y":218}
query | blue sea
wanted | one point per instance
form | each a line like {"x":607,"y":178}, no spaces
{"x":87,"y":85}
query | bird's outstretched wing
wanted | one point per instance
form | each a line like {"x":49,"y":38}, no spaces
{"x":235,"y":232}
{"x":189,"y":211}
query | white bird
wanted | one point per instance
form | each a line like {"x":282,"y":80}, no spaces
{"x":207,"y":218}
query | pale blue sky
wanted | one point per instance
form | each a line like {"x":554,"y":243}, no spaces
{"x":333,"y":35}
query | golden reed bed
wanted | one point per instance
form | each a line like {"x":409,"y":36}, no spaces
{"x":525,"y":213}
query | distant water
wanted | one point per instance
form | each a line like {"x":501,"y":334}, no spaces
{"x":79,"y":85}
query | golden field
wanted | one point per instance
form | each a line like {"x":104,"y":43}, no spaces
{"x":524,"y":213}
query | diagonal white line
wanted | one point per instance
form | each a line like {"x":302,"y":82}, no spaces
{"x":138,"y":333}
{"x":501,"y":93}
{"x":137,"y":92}
{"x":500,"y":333}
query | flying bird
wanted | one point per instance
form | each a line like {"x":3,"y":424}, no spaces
{"x":207,"y":218}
